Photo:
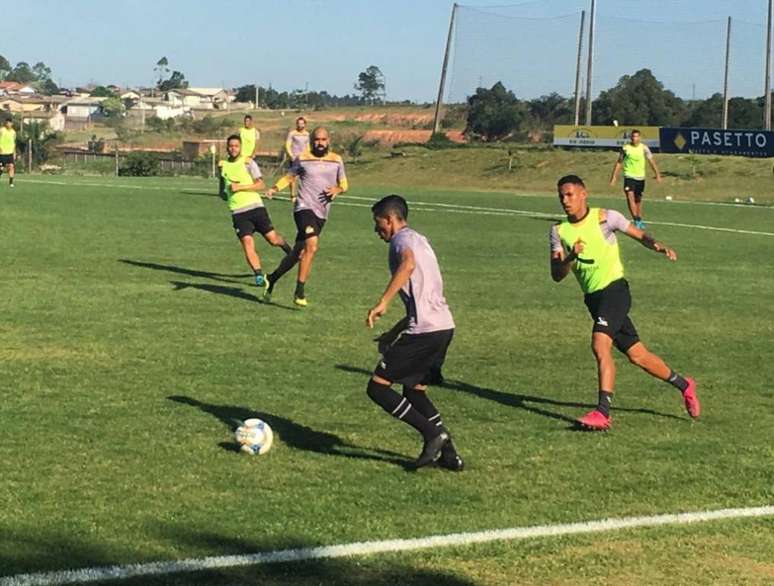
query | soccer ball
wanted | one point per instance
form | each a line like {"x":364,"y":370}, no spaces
{"x":254,"y":437}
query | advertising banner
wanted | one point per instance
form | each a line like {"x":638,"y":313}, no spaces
{"x":603,"y":136}
{"x":714,"y":141}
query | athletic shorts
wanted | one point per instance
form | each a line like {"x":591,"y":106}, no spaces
{"x":609,"y":308}
{"x":6,"y":159}
{"x":255,"y":220}
{"x":409,"y":360}
{"x":308,"y":224}
{"x":636,"y":186}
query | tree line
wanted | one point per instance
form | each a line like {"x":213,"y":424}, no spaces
{"x":636,"y":100}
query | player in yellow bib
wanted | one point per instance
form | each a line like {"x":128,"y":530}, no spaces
{"x":242,"y":180}
{"x":8,"y":149}
{"x":585,"y":243}
{"x":250,"y":136}
{"x":632,"y":160}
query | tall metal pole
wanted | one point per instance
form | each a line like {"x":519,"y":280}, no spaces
{"x":767,"y":89}
{"x":725,"y":79}
{"x":578,"y":68}
{"x":592,"y":25}
{"x":437,"y":116}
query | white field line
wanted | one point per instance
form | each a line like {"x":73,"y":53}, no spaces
{"x":375,"y":547}
{"x":444,"y":207}
{"x":515,"y":193}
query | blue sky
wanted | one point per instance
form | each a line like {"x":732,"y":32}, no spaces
{"x":292,"y":43}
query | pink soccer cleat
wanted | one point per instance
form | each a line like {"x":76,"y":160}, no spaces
{"x":595,"y":420}
{"x":692,"y":404}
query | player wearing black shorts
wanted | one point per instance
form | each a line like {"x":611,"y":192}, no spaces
{"x":319,"y":177}
{"x":586,"y":244}
{"x":242,"y":180}
{"x":632,"y":159}
{"x":418,"y":341}
{"x":8,"y":149}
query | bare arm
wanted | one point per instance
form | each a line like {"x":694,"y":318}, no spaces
{"x":616,"y":170}
{"x":649,"y":242}
{"x":561,"y":263}
{"x":257,"y":186}
{"x":652,"y":163}
{"x":398,"y":280}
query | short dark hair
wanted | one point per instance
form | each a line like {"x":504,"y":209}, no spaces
{"x":248,"y":117}
{"x":573,"y":179}
{"x":634,"y":131}
{"x":233,"y":137}
{"x":391,"y":205}
{"x":300,"y":118}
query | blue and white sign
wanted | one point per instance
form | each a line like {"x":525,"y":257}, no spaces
{"x":713,"y":141}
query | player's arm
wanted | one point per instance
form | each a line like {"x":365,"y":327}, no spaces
{"x":288,"y":143}
{"x":398,"y":280}
{"x":618,"y":222}
{"x":341,"y":184}
{"x":257,"y":140}
{"x":561,"y":261}
{"x":284,"y":181}
{"x":652,"y":162}
{"x":616,"y":168}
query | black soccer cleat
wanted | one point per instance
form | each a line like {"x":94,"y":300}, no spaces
{"x":431,"y":451}
{"x":450,"y":459}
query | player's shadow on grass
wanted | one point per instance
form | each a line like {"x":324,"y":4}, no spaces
{"x":295,"y":435}
{"x":226,"y":278}
{"x":526,"y":402}
{"x":235,"y":292}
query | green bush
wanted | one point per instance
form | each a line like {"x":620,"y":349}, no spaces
{"x":140,"y":164}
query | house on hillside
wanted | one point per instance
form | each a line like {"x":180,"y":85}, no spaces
{"x":55,"y":120}
{"x":14,"y":88}
{"x":199,"y":98}
{"x":35,"y":103}
{"x":82,"y":112}
{"x":158,"y":108}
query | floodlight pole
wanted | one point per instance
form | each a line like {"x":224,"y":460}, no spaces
{"x":592,"y":25}
{"x":725,"y":79}
{"x":767,"y":89}
{"x":442,"y":84}
{"x":578,"y":68}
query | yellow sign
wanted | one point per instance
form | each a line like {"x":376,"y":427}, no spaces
{"x":603,"y":136}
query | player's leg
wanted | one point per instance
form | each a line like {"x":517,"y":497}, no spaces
{"x":311,"y":244}
{"x":11,"y":173}
{"x":653,"y":364}
{"x":638,"y":192}
{"x":276,"y":239}
{"x":380,"y":391}
{"x":630,"y":202}
{"x":253,"y":260}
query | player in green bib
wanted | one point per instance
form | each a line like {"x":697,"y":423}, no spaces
{"x":8,"y":149}
{"x":586,"y":244}
{"x":632,"y":160}
{"x":250,"y":136}
{"x":242,"y":181}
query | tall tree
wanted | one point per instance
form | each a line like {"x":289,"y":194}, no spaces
{"x":639,"y":99}
{"x":162,"y":68}
{"x":176,"y":81}
{"x":5,"y":67}
{"x":494,"y":114}
{"x":370,"y":84}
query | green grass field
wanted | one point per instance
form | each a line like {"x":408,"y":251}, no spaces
{"x":131,"y":340}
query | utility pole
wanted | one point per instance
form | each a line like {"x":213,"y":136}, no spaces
{"x":592,"y":25}
{"x":767,"y":89}
{"x":436,"y":117}
{"x":725,"y":78}
{"x":256,"y":96}
{"x":578,"y":68}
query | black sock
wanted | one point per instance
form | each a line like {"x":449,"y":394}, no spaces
{"x":422,"y":403}
{"x":636,"y":218}
{"x":677,"y":381}
{"x":603,"y":403}
{"x":300,"y":290}
{"x":286,"y":248}
{"x":401,"y":408}
{"x":10,"y":180}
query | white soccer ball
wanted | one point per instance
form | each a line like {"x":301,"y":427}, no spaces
{"x":254,"y":437}
{"x":751,"y":199}
{"x":668,"y":198}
